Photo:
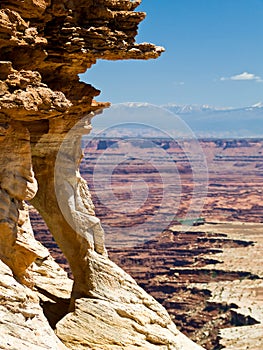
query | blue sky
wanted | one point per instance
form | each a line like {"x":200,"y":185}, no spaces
{"x":214,"y":55}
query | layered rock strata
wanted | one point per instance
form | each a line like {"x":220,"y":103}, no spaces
{"x":209,"y":278}
{"x":44,"y":46}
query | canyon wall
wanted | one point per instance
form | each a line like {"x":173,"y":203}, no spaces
{"x":45,"y":44}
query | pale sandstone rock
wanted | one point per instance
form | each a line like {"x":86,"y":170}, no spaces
{"x":23,"y":325}
{"x":240,"y":338}
{"x":18,"y":248}
{"x":245,"y":294}
{"x":118,"y":314}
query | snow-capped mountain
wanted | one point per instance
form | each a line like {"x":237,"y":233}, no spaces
{"x":203,"y":121}
{"x":258,"y":105}
{"x":187,"y":109}
{"x":212,"y":121}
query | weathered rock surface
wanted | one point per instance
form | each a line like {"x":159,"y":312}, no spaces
{"x":119,"y":314}
{"x":22,"y":322}
{"x":44,"y":46}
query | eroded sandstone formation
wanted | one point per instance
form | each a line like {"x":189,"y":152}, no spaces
{"x":45,"y":44}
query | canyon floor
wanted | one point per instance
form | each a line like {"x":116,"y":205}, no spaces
{"x":208,"y":276}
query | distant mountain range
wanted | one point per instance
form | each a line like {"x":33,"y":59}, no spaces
{"x":186,"y":109}
{"x":211,"y":121}
{"x":133,"y":119}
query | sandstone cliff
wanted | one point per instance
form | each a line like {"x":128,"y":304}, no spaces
{"x":45,"y":44}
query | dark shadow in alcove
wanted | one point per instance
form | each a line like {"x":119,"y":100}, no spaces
{"x":54,"y":309}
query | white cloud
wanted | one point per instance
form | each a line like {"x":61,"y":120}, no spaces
{"x":178,"y":82}
{"x":245,"y":76}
